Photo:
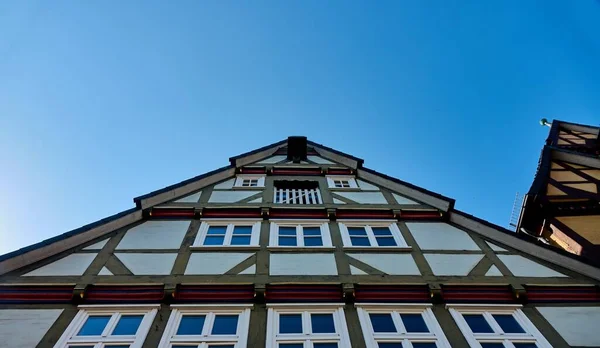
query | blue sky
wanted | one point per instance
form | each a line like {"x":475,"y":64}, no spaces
{"x":104,"y":101}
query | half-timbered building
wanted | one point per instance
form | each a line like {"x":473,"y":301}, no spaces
{"x":296,"y":245}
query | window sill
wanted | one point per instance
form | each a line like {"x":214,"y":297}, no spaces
{"x":300,"y":248}
{"x":378,"y":249}
{"x":225,"y":247}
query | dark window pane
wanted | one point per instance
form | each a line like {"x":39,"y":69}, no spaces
{"x":357,"y":231}
{"x":291,"y":345}
{"x":477,"y":323}
{"x":240,"y":240}
{"x":242,"y":230}
{"x":313,"y":241}
{"x":382,"y":323}
{"x":217,"y":229}
{"x":381,"y":231}
{"x":322,"y":323}
{"x":414,"y":323}
{"x":385,"y":241}
{"x":390,"y":345}
{"x":118,"y":346}
{"x":128,"y":325}
{"x":290,"y":323}
{"x":492,"y":345}
{"x":508,"y":323}
{"x":424,"y":345}
{"x":213,"y":240}
{"x":287,"y":241}
{"x":525,"y":345}
{"x":191,"y":325}
{"x":360,"y":241}
{"x":217,"y":346}
{"x":287,"y":231}
{"x":225,"y":325}
{"x":312,"y":231}
{"x":94,"y":325}
{"x":325,"y":345}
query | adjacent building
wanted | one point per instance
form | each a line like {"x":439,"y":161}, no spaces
{"x":296,"y":245}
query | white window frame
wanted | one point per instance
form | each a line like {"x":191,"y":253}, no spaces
{"x":239,"y":340}
{"x":351,"y":181}
{"x":239,"y":180}
{"x":368,"y":225}
{"x":531,"y":335}
{"x":69,"y":338}
{"x":299,"y":225}
{"x":307,"y":338}
{"x":372,"y":338}
{"x":229,"y":224}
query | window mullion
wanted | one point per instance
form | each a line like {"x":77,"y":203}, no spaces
{"x":398,"y":322}
{"x":110,"y":325}
{"x":210,"y":318}
{"x":371,"y":236}
{"x":306,"y":324}
{"x":299,"y":236}
{"x":228,"y":234}
{"x":493,"y":324}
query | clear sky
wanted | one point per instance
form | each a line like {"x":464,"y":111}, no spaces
{"x":102,"y":101}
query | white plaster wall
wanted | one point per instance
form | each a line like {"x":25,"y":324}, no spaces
{"x":577,"y":325}
{"x":214,"y":263}
{"x":452,"y":264}
{"x":148,"y":263}
{"x":396,"y":264}
{"x":225,"y":185}
{"x":364,"y":197}
{"x":97,"y":246}
{"x":523,"y":267}
{"x":493,"y":272}
{"x":366,"y":186}
{"x":440,"y":236}
{"x":155,"y":235}
{"x":495,"y":247}
{"x":271,"y":160}
{"x":337,"y":201}
{"x":356,"y":271}
{"x":318,"y":159}
{"x":249,"y":270}
{"x":193,"y":198}
{"x":303,"y":264}
{"x":71,"y":265}
{"x":24,"y":328}
{"x":258,"y":200}
{"x":403,"y":200}
{"x":230,"y":196}
{"x":105,"y":271}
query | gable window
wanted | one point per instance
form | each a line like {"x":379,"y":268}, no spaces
{"x":297,"y":192}
{"x":300,"y":234}
{"x":228,"y":233}
{"x":341,"y":182}
{"x":307,"y":326}
{"x":249,"y":181}
{"x":207,"y":327}
{"x":371,"y":234}
{"x":108,"y":326}
{"x":406,"y":326}
{"x":497,"y":327}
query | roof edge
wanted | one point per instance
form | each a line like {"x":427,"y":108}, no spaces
{"x":359,"y":161}
{"x":233,"y":160}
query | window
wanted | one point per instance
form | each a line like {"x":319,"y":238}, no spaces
{"x":497,"y":327}
{"x":228,"y":233}
{"x":207,"y":327}
{"x":297,"y":192}
{"x":300,"y":234}
{"x":108,"y":327}
{"x":250,"y":181}
{"x":341,"y":182}
{"x":307,"y":326}
{"x":406,"y":326}
{"x":371,"y":234}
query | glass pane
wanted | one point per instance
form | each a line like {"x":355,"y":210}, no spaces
{"x":382,"y":323}
{"x":214,"y":240}
{"x":94,"y":325}
{"x":287,"y":241}
{"x":386,"y":241}
{"x":312,"y":231}
{"x":322,"y":323}
{"x":240,"y":240}
{"x":291,"y":345}
{"x":242,"y":230}
{"x":128,"y":325}
{"x":477,"y":323}
{"x":424,"y":345}
{"x":313,"y":241}
{"x":325,"y":345}
{"x":217,"y":230}
{"x":225,"y":325}
{"x":357,"y":231}
{"x":381,"y":231}
{"x":390,"y":345}
{"x":508,"y":323}
{"x":191,"y":325}
{"x":290,"y":323}
{"x":360,"y":241}
{"x":525,"y":345}
{"x":414,"y":323}
{"x":492,"y":345}
{"x":287,"y":231}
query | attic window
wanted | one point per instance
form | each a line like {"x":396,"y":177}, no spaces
{"x":341,"y":182}
{"x":250,"y":181}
